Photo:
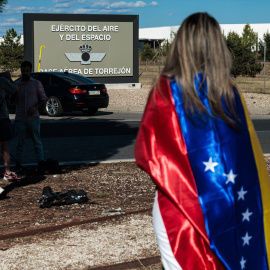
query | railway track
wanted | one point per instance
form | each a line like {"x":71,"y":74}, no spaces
{"x":141,"y":263}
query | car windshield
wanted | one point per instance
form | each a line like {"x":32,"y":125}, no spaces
{"x":74,"y":79}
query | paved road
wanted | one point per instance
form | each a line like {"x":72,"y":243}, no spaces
{"x":262,"y":127}
{"x":76,"y":138}
{"x":105,"y":136}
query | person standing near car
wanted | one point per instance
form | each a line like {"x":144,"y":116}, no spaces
{"x":6,"y":87}
{"x":30,"y":97}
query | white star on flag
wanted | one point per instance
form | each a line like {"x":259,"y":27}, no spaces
{"x":210,"y":165}
{"x":246,"y":215}
{"x":243,"y":262}
{"x":241,"y":194}
{"x":246,"y":239}
{"x":230,"y":177}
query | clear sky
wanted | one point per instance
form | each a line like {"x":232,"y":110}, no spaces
{"x":151,"y":13}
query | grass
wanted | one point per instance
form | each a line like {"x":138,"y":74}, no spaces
{"x":102,"y":195}
{"x":245,"y":84}
{"x":148,"y":74}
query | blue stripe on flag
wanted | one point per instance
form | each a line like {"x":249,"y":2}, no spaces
{"x":227,"y":181}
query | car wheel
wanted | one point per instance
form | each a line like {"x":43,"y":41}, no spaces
{"x":90,"y":111}
{"x":53,"y":107}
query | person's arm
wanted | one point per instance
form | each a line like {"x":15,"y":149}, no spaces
{"x":13,"y":97}
{"x":42,"y":98}
{"x":7,"y":75}
{"x":9,"y":86}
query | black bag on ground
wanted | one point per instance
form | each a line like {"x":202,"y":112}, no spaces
{"x":50,"y":198}
{"x":75,"y":197}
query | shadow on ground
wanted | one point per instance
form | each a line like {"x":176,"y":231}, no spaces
{"x":83,"y":139}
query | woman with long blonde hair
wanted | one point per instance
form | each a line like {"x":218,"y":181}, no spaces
{"x":197,"y":142}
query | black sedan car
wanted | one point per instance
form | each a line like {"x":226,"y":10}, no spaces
{"x":68,"y":92}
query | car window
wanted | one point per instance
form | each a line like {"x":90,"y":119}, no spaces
{"x":57,"y":80}
{"x":74,"y":79}
{"x":44,"y":78}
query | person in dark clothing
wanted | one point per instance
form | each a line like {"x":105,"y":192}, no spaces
{"x":30,"y":97}
{"x":6,"y":87}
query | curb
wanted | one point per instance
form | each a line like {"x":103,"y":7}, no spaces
{"x":130,"y":265}
{"x":124,"y":109}
{"x":77,"y":162}
{"x":52,"y":228}
{"x":96,"y":161}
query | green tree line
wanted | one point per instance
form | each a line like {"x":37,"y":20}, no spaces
{"x":247,"y":51}
{"x":11,"y":51}
{"x":2,"y":5}
{"x":244,"y":52}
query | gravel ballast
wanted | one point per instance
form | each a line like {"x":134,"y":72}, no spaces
{"x":120,"y":239}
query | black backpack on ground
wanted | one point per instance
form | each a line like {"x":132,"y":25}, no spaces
{"x":50,"y":198}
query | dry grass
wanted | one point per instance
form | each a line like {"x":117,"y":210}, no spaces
{"x":245,"y":84}
{"x":148,"y":74}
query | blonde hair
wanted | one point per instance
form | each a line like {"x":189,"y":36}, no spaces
{"x":199,"y":47}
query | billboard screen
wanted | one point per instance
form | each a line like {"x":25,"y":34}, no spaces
{"x":101,"y":47}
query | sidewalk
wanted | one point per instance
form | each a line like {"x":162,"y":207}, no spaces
{"x":254,"y":112}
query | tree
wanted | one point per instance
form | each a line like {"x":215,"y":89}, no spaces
{"x":234,"y":45}
{"x":11,"y":51}
{"x":244,"y":60}
{"x":167,"y":44}
{"x":166,"y":47}
{"x":249,"y":38}
{"x":147,"y":52}
{"x":2,"y":5}
{"x":266,"y":40}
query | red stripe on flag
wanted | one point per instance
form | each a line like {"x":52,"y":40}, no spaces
{"x":160,"y":150}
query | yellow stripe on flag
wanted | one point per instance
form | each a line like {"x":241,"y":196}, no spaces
{"x":263,"y":177}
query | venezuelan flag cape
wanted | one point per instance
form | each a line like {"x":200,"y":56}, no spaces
{"x":212,"y":182}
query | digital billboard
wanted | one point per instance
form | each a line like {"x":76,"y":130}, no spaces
{"x":101,"y":47}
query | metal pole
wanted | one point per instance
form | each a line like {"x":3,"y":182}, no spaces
{"x":264,"y":58}
{"x":39,"y":59}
